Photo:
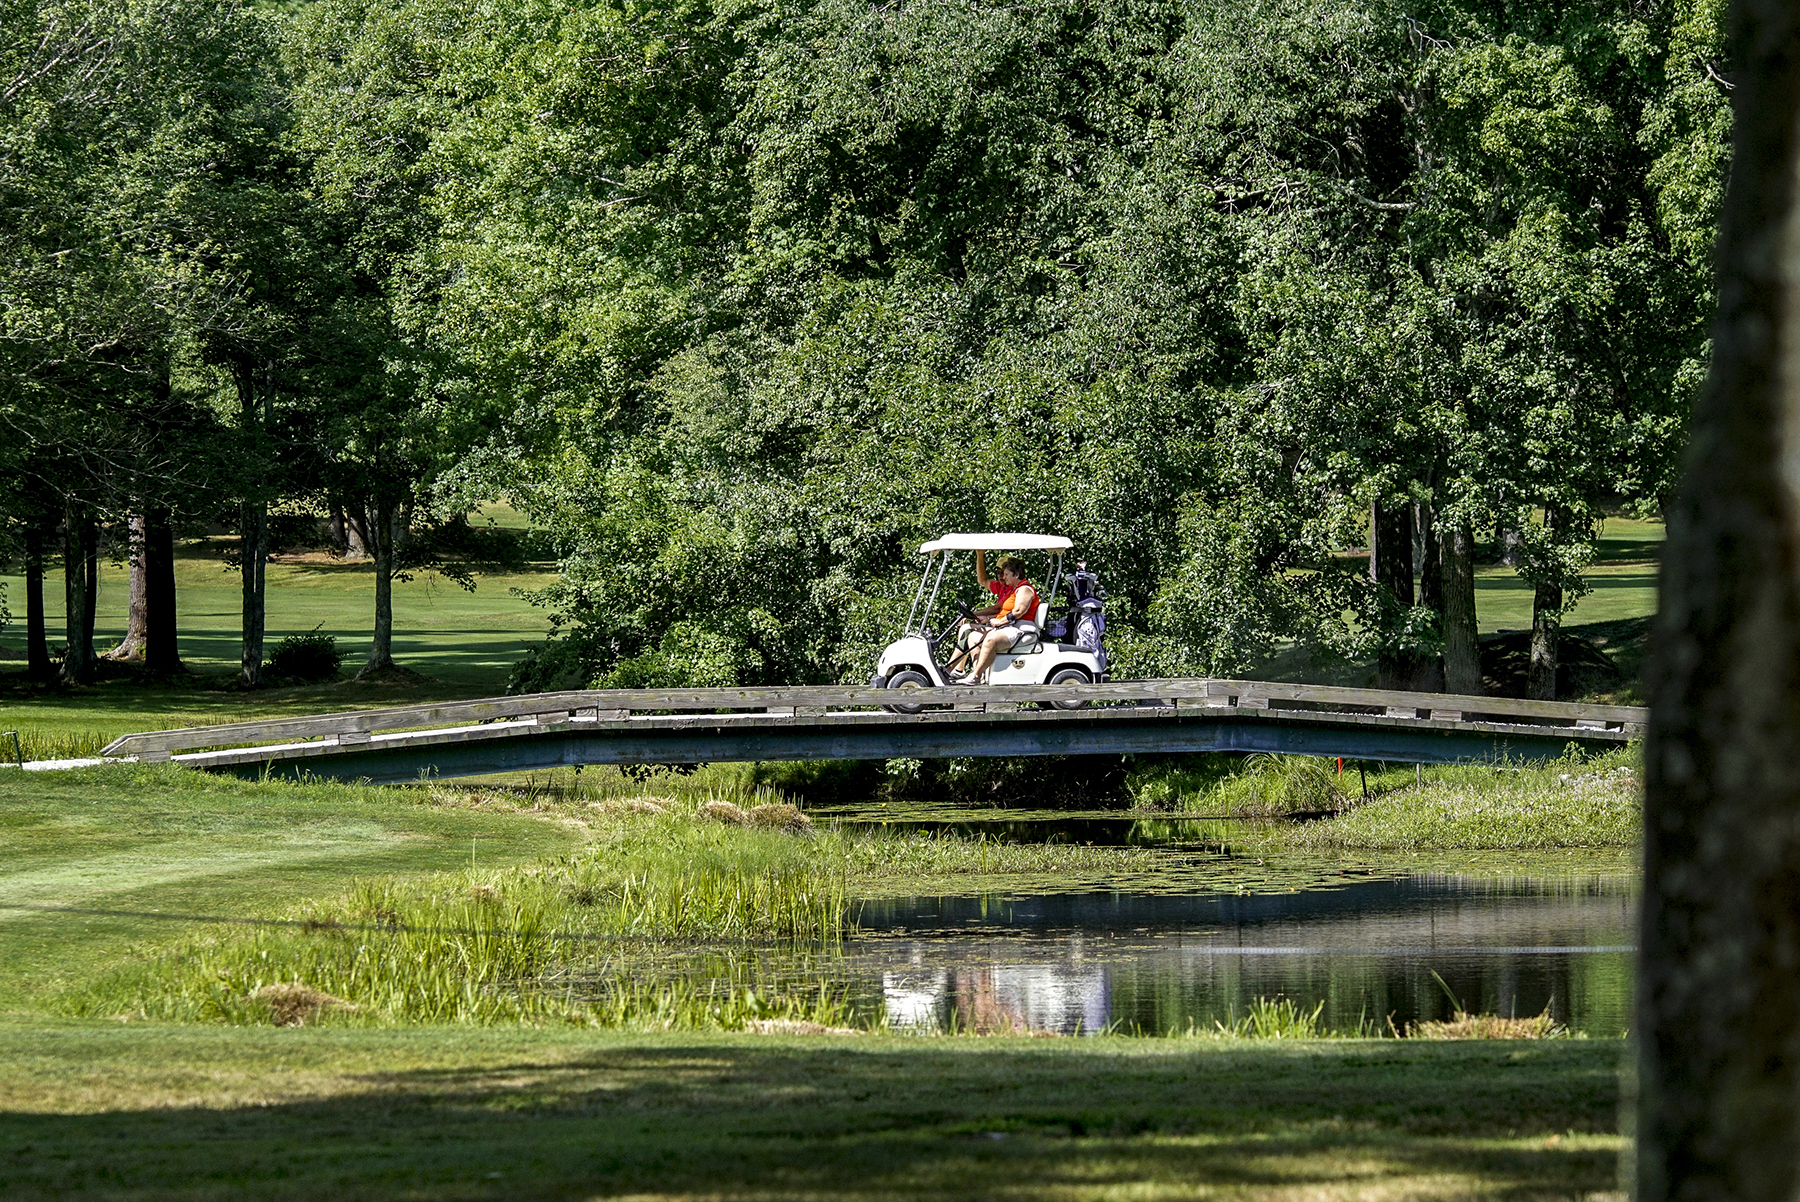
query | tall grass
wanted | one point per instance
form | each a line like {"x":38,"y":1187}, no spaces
{"x":37,"y":744}
{"x":486,"y":946}
{"x":1254,"y":786}
{"x":1567,"y":803}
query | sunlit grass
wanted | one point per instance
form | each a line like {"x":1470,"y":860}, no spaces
{"x":1567,"y":803}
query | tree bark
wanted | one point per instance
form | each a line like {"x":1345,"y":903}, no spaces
{"x":253,"y":531}
{"x":1427,"y":562}
{"x":38,"y":668}
{"x":1718,"y":1016}
{"x":1391,"y":550}
{"x":131,"y":647}
{"x":1462,"y":643}
{"x":255,"y":397}
{"x":359,"y":538}
{"x":1546,"y":622}
{"x":380,"y":532}
{"x":162,"y":652}
{"x":77,"y":663}
{"x":90,"y":592}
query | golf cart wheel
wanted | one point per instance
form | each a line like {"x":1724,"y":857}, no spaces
{"x":907,"y":678}
{"x":1067,"y":676}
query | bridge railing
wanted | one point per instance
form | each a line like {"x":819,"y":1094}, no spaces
{"x":816,"y":701}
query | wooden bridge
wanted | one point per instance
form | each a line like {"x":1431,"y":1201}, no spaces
{"x":689,"y":726}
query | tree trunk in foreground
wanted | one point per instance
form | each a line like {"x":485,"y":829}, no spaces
{"x":38,"y":668}
{"x":132,"y":645}
{"x":77,"y":664}
{"x":1462,"y":647}
{"x":1718,"y":998}
{"x":162,"y":652}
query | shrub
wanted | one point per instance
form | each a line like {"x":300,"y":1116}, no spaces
{"x":311,"y":656}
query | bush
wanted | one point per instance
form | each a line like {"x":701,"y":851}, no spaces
{"x":311,"y":657}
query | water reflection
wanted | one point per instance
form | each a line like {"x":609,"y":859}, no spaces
{"x":1149,"y":963}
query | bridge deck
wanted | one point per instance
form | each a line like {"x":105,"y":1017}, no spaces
{"x":625,"y":726}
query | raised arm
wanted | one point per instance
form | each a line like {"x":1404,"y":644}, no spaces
{"x":981,"y":575}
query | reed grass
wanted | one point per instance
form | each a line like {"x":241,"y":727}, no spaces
{"x":1276,"y":1018}
{"x":1259,"y":785}
{"x":36,"y":743}
{"x":511,"y":944}
{"x":1567,"y":803}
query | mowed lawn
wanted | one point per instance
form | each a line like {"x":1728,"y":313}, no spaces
{"x":1622,"y":582}
{"x":202,"y":1113}
{"x":441,"y":630}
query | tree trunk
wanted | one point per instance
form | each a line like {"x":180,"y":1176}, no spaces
{"x":1429,"y":672}
{"x":253,"y":531}
{"x":357,"y":529}
{"x":162,"y":652}
{"x":340,"y":532}
{"x":1718,"y":1016}
{"x":131,"y":647}
{"x":359,"y":535}
{"x":77,"y":665}
{"x":38,"y":668}
{"x":1391,"y":550}
{"x":1462,"y":645}
{"x":380,"y":529}
{"x":90,"y":592}
{"x":1546,"y":621}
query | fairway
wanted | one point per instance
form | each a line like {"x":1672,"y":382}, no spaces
{"x":462,"y":638}
{"x":92,"y":864}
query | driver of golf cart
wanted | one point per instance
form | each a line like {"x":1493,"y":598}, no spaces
{"x":1008,"y":621}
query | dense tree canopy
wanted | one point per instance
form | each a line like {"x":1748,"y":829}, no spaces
{"x":742,"y":301}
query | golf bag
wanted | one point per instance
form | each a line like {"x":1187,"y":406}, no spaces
{"x":1088,"y":612}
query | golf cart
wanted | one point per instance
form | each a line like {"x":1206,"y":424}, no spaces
{"x":1068,"y":648}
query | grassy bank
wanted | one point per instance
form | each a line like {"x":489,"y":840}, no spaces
{"x":163,"y":893}
{"x":197,"y":1113}
{"x":1575,"y":802}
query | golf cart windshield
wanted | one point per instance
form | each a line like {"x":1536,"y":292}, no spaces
{"x":939,"y":551}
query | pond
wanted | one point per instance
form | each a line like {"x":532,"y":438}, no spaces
{"x":1200,"y":932}
{"x":1371,"y":951}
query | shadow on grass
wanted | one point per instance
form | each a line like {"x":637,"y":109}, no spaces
{"x":739,"y":1118}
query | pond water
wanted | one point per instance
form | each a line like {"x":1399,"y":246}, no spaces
{"x":1153,"y":963}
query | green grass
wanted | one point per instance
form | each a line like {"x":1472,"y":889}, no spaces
{"x":1254,"y":786}
{"x":464,"y":644}
{"x":103,"y":1110}
{"x":94,"y":864}
{"x":1573,"y":802}
{"x":467,"y":639}
{"x":505,"y":942}
{"x":1622,"y":579}
{"x":1597,"y":803}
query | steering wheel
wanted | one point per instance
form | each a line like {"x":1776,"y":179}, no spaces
{"x":964,"y":608}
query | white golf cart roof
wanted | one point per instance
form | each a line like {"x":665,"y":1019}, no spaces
{"x":997,"y":542}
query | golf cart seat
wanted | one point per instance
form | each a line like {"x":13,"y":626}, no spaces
{"x":1030,"y":640}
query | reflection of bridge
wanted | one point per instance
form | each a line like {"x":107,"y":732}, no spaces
{"x":689,"y":726}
